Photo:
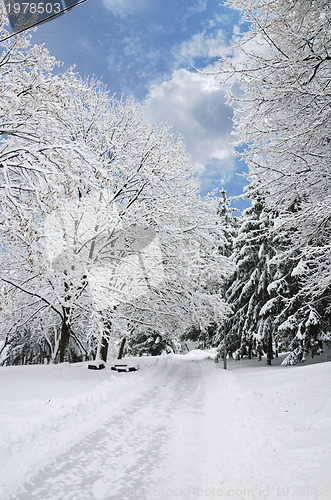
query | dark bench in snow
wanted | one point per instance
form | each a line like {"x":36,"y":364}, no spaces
{"x":124,"y":368}
{"x":95,"y":366}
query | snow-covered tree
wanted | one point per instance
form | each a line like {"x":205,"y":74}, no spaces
{"x":39,"y":165}
{"x":210,"y":334}
{"x":302,"y":322}
{"x":272,"y":311}
{"x":250,"y":329}
{"x":279,"y":74}
{"x":229,"y":221}
{"x":83,"y":178}
{"x":282,"y":112}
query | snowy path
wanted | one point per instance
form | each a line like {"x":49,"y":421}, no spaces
{"x":142,"y":447}
{"x":198,"y":432}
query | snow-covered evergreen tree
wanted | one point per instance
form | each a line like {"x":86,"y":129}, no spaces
{"x":251,"y":327}
{"x":272,"y":310}
{"x":303,"y":321}
{"x":230,"y":223}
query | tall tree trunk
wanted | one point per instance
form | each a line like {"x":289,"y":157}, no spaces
{"x":120,"y":354}
{"x":65,"y":337}
{"x":104,"y":343}
{"x":104,"y":349}
{"x":269,"y":349}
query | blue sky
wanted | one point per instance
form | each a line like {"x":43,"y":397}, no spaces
{"x":149,"y":49}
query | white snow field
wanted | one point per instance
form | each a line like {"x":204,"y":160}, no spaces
{"x":181,"y":427}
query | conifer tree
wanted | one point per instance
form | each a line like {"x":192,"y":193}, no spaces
{"x":251,"y":327}
{"x":230,"y":224}
{"x":302,"y":323}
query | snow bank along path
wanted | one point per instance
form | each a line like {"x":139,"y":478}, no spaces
{"x":182,"y":429}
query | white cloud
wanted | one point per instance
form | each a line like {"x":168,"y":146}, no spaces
{"x":201,"y":45}
{"x":199,"y":6}
{"x":194,"y":105}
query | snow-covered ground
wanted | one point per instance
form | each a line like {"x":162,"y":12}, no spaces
{"x":180,"y":427}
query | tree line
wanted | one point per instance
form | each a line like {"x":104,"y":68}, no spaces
{"x":104,"y":234}
{"x":279,"y":76}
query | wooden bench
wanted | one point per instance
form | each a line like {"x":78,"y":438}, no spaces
{"x":124,"y":368}
{"x":94,"y":366}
